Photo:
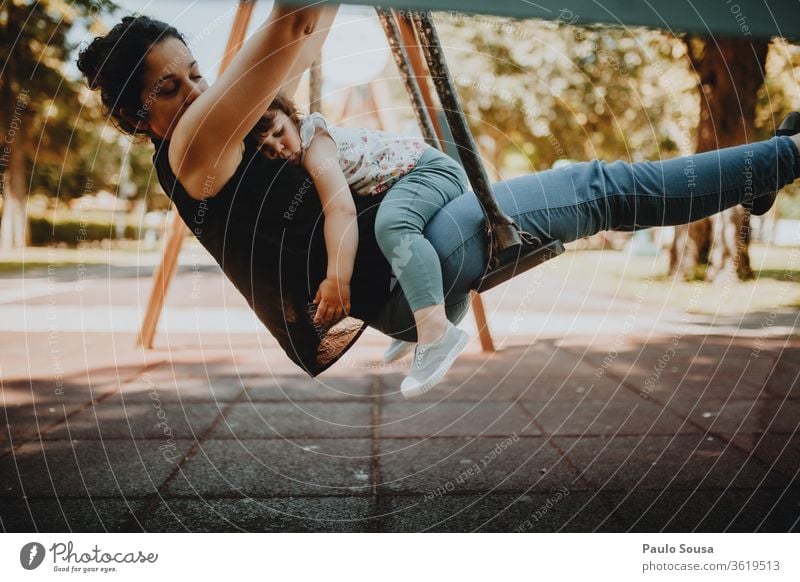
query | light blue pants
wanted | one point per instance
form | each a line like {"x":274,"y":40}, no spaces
{"x":582,"y":199}
{"x":402,"y":216}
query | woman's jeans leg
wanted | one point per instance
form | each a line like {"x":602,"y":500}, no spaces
{"x":585,"y":198}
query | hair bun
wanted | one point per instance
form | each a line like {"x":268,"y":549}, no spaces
{"x":90,"y":62}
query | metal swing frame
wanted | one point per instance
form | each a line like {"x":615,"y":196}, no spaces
{"x":510,"y":249}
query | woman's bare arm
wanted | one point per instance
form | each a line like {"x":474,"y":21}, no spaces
{"x":311,"y":49}
{"x":206,"y":146}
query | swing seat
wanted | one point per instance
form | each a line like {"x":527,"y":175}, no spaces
{"x":526,"y":257}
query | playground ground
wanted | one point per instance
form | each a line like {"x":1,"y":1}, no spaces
{"x":612,"y":403}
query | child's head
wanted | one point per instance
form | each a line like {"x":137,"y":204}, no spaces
{"x":278,"y":130}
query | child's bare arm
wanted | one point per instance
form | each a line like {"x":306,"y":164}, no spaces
{"x":341,"y":226}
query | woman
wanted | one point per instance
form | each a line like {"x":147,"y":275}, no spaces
{"x":260,"y":218}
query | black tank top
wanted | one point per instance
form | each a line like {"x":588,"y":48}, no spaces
{"x":265,"y":230}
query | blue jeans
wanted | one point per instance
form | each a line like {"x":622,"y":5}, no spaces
{"x":585,"y":198}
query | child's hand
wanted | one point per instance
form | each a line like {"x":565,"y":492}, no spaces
{"x":333,"y":301}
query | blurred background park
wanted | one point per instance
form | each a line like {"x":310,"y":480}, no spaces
{"x":538,"y":94}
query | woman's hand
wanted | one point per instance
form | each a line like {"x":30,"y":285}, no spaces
{"x":333,"y":301}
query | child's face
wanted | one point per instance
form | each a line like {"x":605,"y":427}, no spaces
{"x":283,"y":140}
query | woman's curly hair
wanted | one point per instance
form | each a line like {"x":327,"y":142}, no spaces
{"x":114,"y":64}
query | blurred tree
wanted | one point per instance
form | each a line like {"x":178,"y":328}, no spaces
{"x":536,"y":92}
{"x":730,"y":73}
{"x":33,"y":94}
{"x":542,"y":91}
{"x":779,"y":95}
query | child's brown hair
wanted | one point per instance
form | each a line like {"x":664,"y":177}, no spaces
{"x":266,"y":122}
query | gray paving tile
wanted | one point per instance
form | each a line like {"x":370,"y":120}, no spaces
{"x":457,"y":465}
{"x":781,"y":451}
{"x":199,"y":387}
{"x":248,"y":420}
{"x":569,"y":388}
{"x":734,"y":510}
{"x":680,"y":385}
{"x":569,"y":511}
{"x":452,"y":388}
{"x":660,"y":370}
{"x":202,"y":368}
{"x":609,"y":418}
{"x":155,"y":420}
{"x":504,"y":375}
{"x":20,"y":423}
{"x":296,"y":514}
{"x":538,"y":358}
{"x":658,"y":462}
{"x":292,"y":388}
{"x":261,"y":468}
{"x":67,"y":515}
{"x":650,"y":511}
{"x":742,"y":416}
{"x":106,"y":468}
{"x":525,"y":372}
{"x":784,"y":381}
{"x":46,"y":391}
{"x":454,"y":419}
{"x":518,"y":386}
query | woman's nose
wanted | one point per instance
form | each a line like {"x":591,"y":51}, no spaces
{"x":195,"y":91}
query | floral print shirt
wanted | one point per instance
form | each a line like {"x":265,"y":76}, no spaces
{"x":371,"y":161}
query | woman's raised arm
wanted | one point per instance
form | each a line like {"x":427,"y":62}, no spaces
{"x":311,"y":49}
{"x":206,"y":146}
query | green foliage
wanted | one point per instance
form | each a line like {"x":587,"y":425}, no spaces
{"x":73,"y":232}
{"x":536,"y":92}
{"x":72,"y":149}
{"x":779,"y":94}
{"x":551,"y":90}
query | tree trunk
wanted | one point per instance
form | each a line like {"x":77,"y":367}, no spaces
{"x":689,"y":249}
{"x":14,"y":231}
{"x":729,"y":257}
{"x":730,"y":73}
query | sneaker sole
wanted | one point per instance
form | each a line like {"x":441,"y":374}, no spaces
{"x":440,"y":371}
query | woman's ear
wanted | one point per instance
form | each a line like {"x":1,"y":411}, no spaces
{"x":137,"y":119}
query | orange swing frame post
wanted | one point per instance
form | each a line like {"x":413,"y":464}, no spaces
{"x":417,"y":62}
{"x":177,"y":229}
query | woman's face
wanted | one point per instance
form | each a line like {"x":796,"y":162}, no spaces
{"x":283,"y":140}
{"x":170,"y":83}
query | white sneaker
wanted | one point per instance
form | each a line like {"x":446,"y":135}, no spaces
{"x":432,"y":361}
{"x":396,"y":350}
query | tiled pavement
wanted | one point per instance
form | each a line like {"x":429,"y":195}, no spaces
{"x":599,"y":414}
{"x":581,"y":434}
